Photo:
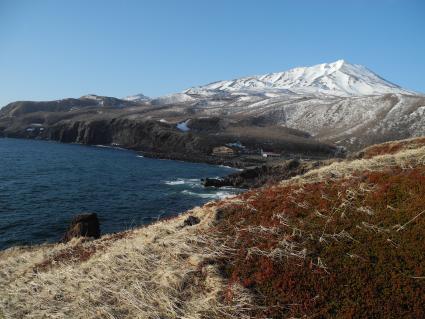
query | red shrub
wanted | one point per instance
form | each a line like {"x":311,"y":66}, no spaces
{"x":332,"y":249}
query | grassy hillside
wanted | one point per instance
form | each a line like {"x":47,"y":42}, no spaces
{"x":342,"y":247}
{"x":342,"y":241}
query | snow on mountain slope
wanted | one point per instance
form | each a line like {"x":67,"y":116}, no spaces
{"x":343,"y":103}
{"x":175,"y":98}
{"x":137,"y":98}
{"x":339,"y":78}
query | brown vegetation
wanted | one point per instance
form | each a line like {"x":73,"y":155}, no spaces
{"x":391,"y":147}
{"x":349,"y":248}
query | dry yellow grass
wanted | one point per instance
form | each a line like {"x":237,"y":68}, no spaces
{"x":153,"y":272}
{"x":336,"y":170}
{"x":391,"y":147}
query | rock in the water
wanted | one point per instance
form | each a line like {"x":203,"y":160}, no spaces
{"x":191,"y":220}
{"x":214,"y":182}
{"x":83,"y":225}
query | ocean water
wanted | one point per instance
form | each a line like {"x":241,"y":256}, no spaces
{"x":44,"y":184}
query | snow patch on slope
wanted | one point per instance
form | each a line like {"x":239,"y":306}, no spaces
{"x":137,"y":98}
{"x":174,"y":99}
{"x":93,"y":97}
{"x":182,"y":126}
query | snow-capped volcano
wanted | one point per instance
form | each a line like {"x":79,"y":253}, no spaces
{"x":338,"y":78}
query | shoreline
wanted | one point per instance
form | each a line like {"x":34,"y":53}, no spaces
{"x":236,"y":162}
{"x":244,"y":177}
{"x":192,"y":198}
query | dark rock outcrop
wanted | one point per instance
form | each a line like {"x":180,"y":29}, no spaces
{"x":215,"y":182}
{"x":191,"y":220}
{"x":144,"y":135}
{"x":83,"y":225}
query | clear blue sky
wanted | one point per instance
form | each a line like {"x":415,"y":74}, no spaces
{"x":55,"y":49}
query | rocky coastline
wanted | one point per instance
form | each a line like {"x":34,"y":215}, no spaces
{"x":258,"y":176}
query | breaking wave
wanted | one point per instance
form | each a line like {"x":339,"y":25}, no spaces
{"x":216,"y":195}
{"x":192,"y":182}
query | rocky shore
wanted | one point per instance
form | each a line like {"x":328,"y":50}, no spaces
{"x":258,"y":176}
{"x":239,"y":162}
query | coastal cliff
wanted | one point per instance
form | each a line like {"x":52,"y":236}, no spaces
{"x":143,"y":129}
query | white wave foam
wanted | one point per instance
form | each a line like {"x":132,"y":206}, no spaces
{"x":192,"y":182}
{"x":234,"y":168}
{"x":217,"y":195}
{"x":174,"y":182}
{"x":110,"y":146}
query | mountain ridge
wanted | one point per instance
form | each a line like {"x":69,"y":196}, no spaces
{"x":338,"y":78}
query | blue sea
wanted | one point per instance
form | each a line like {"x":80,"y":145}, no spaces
{"x":44,"y":184}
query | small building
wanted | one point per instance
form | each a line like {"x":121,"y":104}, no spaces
{"x":223,"y":151}
{"x":35,"y":128}
{"x":269,"y":154}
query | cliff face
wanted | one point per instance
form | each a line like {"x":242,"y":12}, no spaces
{"x":149,"y":136}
